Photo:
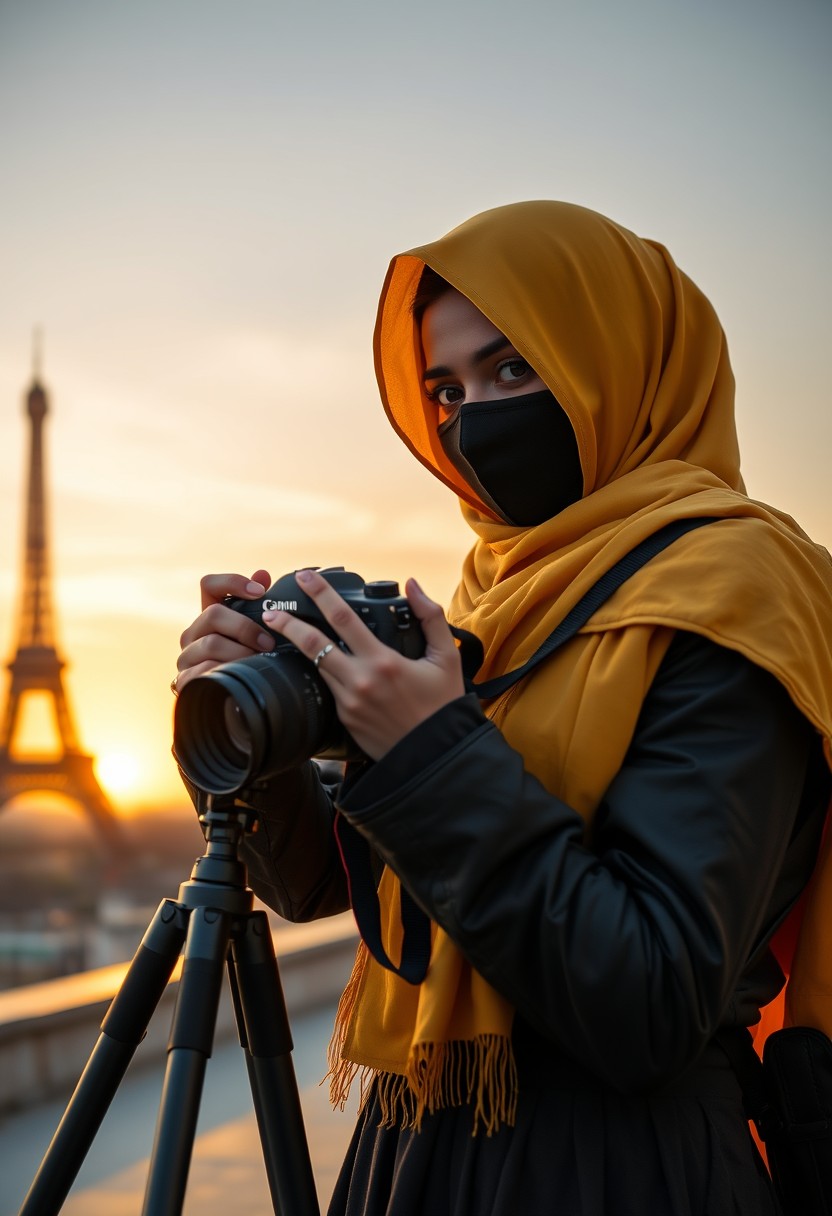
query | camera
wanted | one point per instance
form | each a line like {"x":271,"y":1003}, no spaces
{"x":247,"y":720}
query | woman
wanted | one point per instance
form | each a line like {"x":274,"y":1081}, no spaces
{"x":606,"y":850}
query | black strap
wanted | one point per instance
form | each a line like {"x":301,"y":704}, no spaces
{"x":355,"y":851}
{"x":598,"y":594}
{"x":355,"y":854}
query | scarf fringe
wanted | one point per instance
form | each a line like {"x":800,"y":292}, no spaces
{"x":480,"y":1072}
{"x":341,"y":1072}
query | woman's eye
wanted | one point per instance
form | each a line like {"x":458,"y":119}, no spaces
{"x":512,"y":369}
{"x":447,"y":395}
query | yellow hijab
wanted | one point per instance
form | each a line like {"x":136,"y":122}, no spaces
{"x":635,"y":354}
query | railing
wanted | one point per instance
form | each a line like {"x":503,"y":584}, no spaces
{"x":48,"y":1030}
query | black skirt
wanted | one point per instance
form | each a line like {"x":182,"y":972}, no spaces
{"x":577,"y":1149}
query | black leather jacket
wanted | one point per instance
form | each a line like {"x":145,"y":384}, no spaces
{"x":627,"y":947}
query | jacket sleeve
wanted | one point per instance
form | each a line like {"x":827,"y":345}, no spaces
{"x":624,"y":948}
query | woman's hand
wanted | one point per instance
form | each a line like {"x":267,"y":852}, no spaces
{"x":379,"y":694}
{"x":219,"y":634}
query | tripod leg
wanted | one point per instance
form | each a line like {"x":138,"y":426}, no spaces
{"x":262,"y":1123}
{"x":122,"y":1030}
{"x":189,"y":1047}
{"x":267,"y":1040}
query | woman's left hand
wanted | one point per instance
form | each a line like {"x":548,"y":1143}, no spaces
{"x":380,"y":695}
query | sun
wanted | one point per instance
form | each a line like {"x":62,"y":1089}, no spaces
{"x":119,"y":771}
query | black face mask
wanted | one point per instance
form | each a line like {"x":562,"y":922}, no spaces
{"x":520,"y":456}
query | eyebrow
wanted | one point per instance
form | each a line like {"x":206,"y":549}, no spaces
{"x":485,"y":352}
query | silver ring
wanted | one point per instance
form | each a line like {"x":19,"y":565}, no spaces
{"x":322,"y":654}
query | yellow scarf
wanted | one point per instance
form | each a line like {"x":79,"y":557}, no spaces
{"x":635,"y":354}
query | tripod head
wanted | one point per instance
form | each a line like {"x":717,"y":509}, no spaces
{"x":219,"y":877}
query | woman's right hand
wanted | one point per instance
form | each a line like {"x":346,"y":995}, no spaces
{"x":219,"y":634}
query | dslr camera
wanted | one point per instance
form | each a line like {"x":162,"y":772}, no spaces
{"x":245,"y":721}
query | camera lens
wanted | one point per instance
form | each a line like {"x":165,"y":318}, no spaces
{"x":213,"y":738}
{"x":248,"y":720}
{"x":236,"y":728}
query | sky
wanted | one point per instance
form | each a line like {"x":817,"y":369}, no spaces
{"x":199,"y":202}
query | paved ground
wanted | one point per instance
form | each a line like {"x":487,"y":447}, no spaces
{"x":227,"y":1172}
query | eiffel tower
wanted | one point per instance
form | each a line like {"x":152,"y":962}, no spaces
{"x":37,"y":667}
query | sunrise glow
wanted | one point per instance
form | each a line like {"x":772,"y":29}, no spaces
{"x":200,"y":231}
{"x":118,"y":772}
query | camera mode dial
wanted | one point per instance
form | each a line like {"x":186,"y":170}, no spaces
{"x":381,"y":589}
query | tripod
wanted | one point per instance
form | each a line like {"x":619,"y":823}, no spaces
{"x":214,"y":919}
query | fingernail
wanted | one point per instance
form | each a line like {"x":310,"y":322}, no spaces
{"x":255,"y":588}
{"x":304,"y":576}
{"x":264,"y":641}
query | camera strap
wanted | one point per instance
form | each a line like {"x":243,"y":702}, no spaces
{"x":589,"y":604}
{"x":357,"y":859}
{"x":355,"y":851}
